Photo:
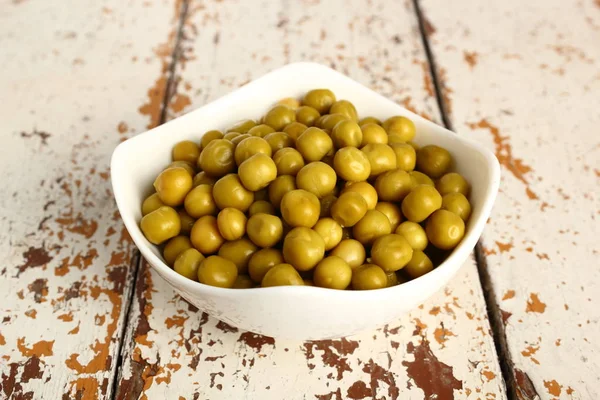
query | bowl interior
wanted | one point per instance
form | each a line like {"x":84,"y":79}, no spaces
{"x":137,"y":161}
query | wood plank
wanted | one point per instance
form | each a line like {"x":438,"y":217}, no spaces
{"x":522,"y":78}
{"x":443,"y":349}
{"x":74,"y":76}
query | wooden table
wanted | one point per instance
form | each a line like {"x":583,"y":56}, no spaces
{"x":83,"y":317}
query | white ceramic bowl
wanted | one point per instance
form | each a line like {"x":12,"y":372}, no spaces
{"x":304,"y":313}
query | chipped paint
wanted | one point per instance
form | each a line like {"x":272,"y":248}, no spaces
{"x":504,"y":154}
{"x":435,"y":378}
{"x":553,"y":387}
{"x":534,"y":304}
{"x":509,"y":294}
{"x":471,"y":58}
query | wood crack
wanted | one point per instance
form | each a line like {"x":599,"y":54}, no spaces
{"x":137,"y":260}
{"x":518,"y":384}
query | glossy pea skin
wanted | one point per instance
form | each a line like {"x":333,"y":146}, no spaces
{"x":303,"y":248}
{"x":458,"y":204}
{"x":414,"y":234}
{"x":161,"y":225}
{"x":418,"y":265}
{"x":372,"y":226}
{"x":200,"y":202}
{"x":288,"y":161}
{"x":229,"y":136}
{"x":280,"y":187}
{"x":186,"y":151}
{"x":217,"y":271}
{"x":261,"y":130}
{"x":217,"y":159}
{"x":172,"y":185}
{"x":317,"y":178}
{"x":369,"y":277}
{"x":319,"y":99}
{"x":231,"y":223}
{"x":257,"y":172}
{"x":445,"y":229}
{"x":333,"y":273}
{"x":209,"y":137}
{"x":279,"y":116}
{"x":349,"y":208}
{"x":391,"y":252}
{"x":243,"y":282}
{"x":294,"y":130}
{"x":406,"y":156}
{"x":352,"y":251}
{"x":421,"y":202}
{"x":264,"y":230}
{"x":239,"y":252}
{"x":346,"y":133}
{"x":330,"y":231}
{"x":263,"y":260}
{"x":330,"y":121}
{"x":250,"y":146}
{"x":419,"y":178}
{"x":174,"y":247}
{"x":300,"y":208}
{"x":307,"y":115}
{"x":242,"y":126}
{"x":202,"y":178}
{"x":393,"y":185}
{"x":392,"y":279}
{"x":151,"y":203}
{"x":186,"y":222}
{"x":401,"y":127}
{"x":373,"y":133}
{"x":261,"y":206}
{"x":366,"y":190}
{"x":187,"y":263}
{"x":351,"y":164}
{"x":282,"y":275}
{"x":346,"y":108}
{"x":279,"y":140}
{"x":453,"y":183}
{"x":188,"y":166}
{"x":381,"y":157}
{"x":290,"y":102}
{"x":369,"y":120}
{"x":229,"y":191}
{"x":392,"y":212}
{"x":205,"y":235}
{"x":434,"y":161}
{"x":238,"y":139}
{"x":314,"y":144}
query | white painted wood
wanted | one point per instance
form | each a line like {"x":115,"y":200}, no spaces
{"x":74,"y":75}
{"x":444,"y":349}
{"x":523,"y":78}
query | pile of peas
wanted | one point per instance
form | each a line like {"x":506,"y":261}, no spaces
{"x":308,"y":195}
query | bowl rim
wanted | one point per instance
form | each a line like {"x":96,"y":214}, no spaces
{"x":182,"y":283}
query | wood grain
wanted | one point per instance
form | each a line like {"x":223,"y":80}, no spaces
{"x":74,"y":76}
{"x":523,"y":79}
{"x":442,"y":350}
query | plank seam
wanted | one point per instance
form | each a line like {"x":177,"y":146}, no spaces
{"x":493,"y":309}
{"x":175,"y":56}
{"x":137,"y":259}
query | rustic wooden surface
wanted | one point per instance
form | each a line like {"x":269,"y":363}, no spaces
{"x":81,"y":318}
{"x":74,"y":76}
{"x":524,"y":79}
